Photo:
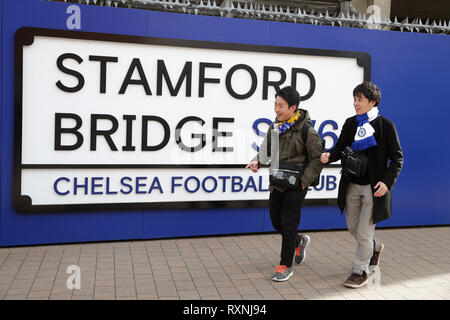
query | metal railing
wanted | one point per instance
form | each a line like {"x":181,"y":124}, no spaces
{"x":253,"y":9}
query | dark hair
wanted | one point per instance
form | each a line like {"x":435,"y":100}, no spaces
{"x":289,"y":94}
{"x":369,"y":90}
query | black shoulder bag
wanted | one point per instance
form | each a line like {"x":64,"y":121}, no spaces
{"x":354,"y":163}
{"x":287,"y":175}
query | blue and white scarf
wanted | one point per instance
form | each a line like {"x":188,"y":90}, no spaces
{"x":364,"y":138}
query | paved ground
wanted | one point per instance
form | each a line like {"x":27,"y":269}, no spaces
{"x":415,"y":265}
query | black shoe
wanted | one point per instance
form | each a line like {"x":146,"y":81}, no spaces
{"x":375,"y":260}
{"x":356,"y":281}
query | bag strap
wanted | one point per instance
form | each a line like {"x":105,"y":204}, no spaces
{"x":269,"y":140}
{"x":305,"y":130}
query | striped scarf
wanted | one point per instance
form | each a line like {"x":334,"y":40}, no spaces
{"x":283,"y":126}
{"x":364,"y":138}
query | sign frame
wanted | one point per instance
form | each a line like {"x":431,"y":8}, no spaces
{"x":25,"y":36}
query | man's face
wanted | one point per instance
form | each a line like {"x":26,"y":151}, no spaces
{"x":362,"y":104}
{"x":282,"y":109}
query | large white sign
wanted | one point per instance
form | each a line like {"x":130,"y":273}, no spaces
{"x":110,"y":119}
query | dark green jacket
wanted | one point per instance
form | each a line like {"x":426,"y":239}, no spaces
{"x":292,"y":148}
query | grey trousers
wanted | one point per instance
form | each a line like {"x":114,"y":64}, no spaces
{"x":359,"y":216}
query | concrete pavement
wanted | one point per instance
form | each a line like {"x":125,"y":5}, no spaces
{"x":415,"y":265}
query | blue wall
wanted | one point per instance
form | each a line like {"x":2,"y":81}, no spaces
{"x":411,"y":70}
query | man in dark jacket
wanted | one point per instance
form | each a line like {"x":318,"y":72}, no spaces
{"x":284,"y":143}
{"x":367,"y":198}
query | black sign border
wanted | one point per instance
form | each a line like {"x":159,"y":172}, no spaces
{"x":25,"y":36}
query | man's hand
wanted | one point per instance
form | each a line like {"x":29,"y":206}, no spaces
{"x":325,"y":157}
{"x":382,"y":189}
{"x":303,"y":186}
{"x":253,"y":166}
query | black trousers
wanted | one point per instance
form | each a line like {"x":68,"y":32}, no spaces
{"x":285,"y":211}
